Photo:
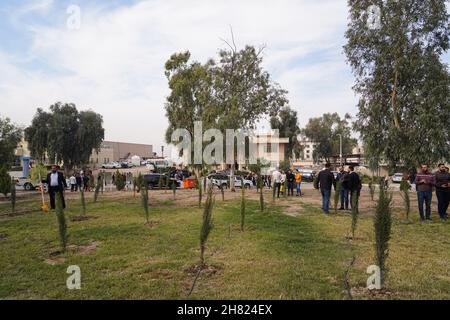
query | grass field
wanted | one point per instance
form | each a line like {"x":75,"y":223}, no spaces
{"x":279,"y":256}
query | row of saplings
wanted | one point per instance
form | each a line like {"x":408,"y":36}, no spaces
{"x":382,"y":217}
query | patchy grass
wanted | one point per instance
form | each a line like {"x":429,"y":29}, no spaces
{"x":279,"y":256}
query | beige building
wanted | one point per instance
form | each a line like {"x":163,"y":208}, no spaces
{"x":115,"y":151}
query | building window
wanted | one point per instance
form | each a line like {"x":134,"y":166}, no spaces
{"x":269,"y":148}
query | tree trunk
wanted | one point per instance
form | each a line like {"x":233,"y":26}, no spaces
{"x":232,"y":188}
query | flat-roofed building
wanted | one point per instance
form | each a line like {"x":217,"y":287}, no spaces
{"x":116,"y":151}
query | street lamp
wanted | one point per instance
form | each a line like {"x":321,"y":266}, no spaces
{"x":340,"y":149}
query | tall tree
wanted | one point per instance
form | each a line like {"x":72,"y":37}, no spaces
{"x":244,"y":91}
{"x":325,"y":132}
{"x":64,"y":134}
{"x":10,"y":136}
{"x":287,"y":124}
{"x":400,"y":78}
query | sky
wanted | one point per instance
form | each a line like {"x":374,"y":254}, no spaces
{"x":113,"y":63}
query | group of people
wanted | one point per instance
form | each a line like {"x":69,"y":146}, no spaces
{"x":425,"y":181}
{"x":80,"y":180}
{"x":350,"y":187}
{"x":292,"y":179}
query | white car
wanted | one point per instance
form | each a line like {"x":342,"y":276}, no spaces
{"x":238,"y":182}
{"x":111,"y":165}
{"x":26,"y":184}
{"x":397,"y":177}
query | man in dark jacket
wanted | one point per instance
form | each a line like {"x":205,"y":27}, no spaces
{"x":56,"y":184}
{"x":354,"y":186}
{"x":425,"y":181}
{"x":343,"y":178}
{"x":325,"y":181}
{"x":443,"y":191}
{"x":290,"y":177}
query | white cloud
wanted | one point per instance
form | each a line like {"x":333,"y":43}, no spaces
{"x":114,"y":63}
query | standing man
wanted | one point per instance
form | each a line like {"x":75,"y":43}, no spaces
{"x":443,"y":190}
{"x":56,"y":184}
{"x":425,"y":181}
{"x":354,"y":186}
{"x":343,"y":178}
{"x":298,"y":182}
{"x":325,"y":181}
{"x":277,"y":181}
{"x":290,"y":182}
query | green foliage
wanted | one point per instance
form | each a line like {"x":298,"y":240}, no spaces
{"x":98,"y":187}
{"x":10,"y":137}
{"x":82,"y":199}
{"x":371,"y":189}
{"x":382,"y":226}
{"x":285,"y":165}
{"x":355,"y":210}
{"x":5,"y":180}
{"x":200,"y":194}
{"x":65,"y":133}
{"x":138,"y":182}
{"x":144,"y":201}
{"x":404,"y":191}
{"x":37,"y":173}
{"x":62,"y":226}
{"x":325,"y":131}
{"x":207,"y":224}
{"x":120,"y":181}
{"x":287,"y":123}
{"x":402,"y":82}
{"x":13,"y":196}
{"x":261,"y":201}
{"x":336,"y":195}
{"x":242,"y":206}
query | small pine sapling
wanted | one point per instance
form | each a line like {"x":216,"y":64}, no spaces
{"x":13,"y":196}
{"x":207,"y":225}
{"x":382,"y":228}
{"x":242,"y":206}
{"x":404,"y":189}
{"x":336,"y":196}
{"x":62,"y":226}
{"x":355,"y":211}
{"x":144,"y":201}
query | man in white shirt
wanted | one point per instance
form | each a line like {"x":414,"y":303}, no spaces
{"x":276,"y":177}
{"x":56,"y":184}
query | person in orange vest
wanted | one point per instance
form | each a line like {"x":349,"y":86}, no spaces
{"x":298,"y":182}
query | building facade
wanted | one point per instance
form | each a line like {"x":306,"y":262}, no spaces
{"x":116,"y":151}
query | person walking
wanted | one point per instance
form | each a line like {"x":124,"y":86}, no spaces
{"x":354,"y":186}
{"x":290,"y":183}
{"x":424,"y":182}
{"x":443,"y":191}
{"x":73,"y":182}
{"x":277,"y":181}
{"x":298,"y":182}
{"x":343,"y":178}
{"x":325,"y":181}
{"x":56,"y":184}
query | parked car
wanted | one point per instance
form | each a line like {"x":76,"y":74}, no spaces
{"x":158,"y":180}
{"x":307,"y":175}
{"x":111,"y":165}
{"x":218,"y":180}
{"x":238,"y":182}
{"x":26,"y":184}
{"x":397,"y":177}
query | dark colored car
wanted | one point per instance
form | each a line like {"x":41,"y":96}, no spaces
{"x":307,"y":176}
{"x":159,"y":180}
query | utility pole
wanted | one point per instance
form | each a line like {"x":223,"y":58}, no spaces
{"x":162,"y":151}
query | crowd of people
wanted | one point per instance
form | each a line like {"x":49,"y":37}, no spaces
{"x":425,"y":182}
{"x":288,"y":181}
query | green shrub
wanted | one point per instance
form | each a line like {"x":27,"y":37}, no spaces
{"x":5,"y":181}
{"x":13,"y":196}
{"x":144,"y":202}
{"x":404,"y":191}
{"x":382,"y":227}
{"x":355,"y":211}
{"x":207,"y":225}
{"x":62,"y":226}
{"x":242,"y":206}
{"x":120,"y":181}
